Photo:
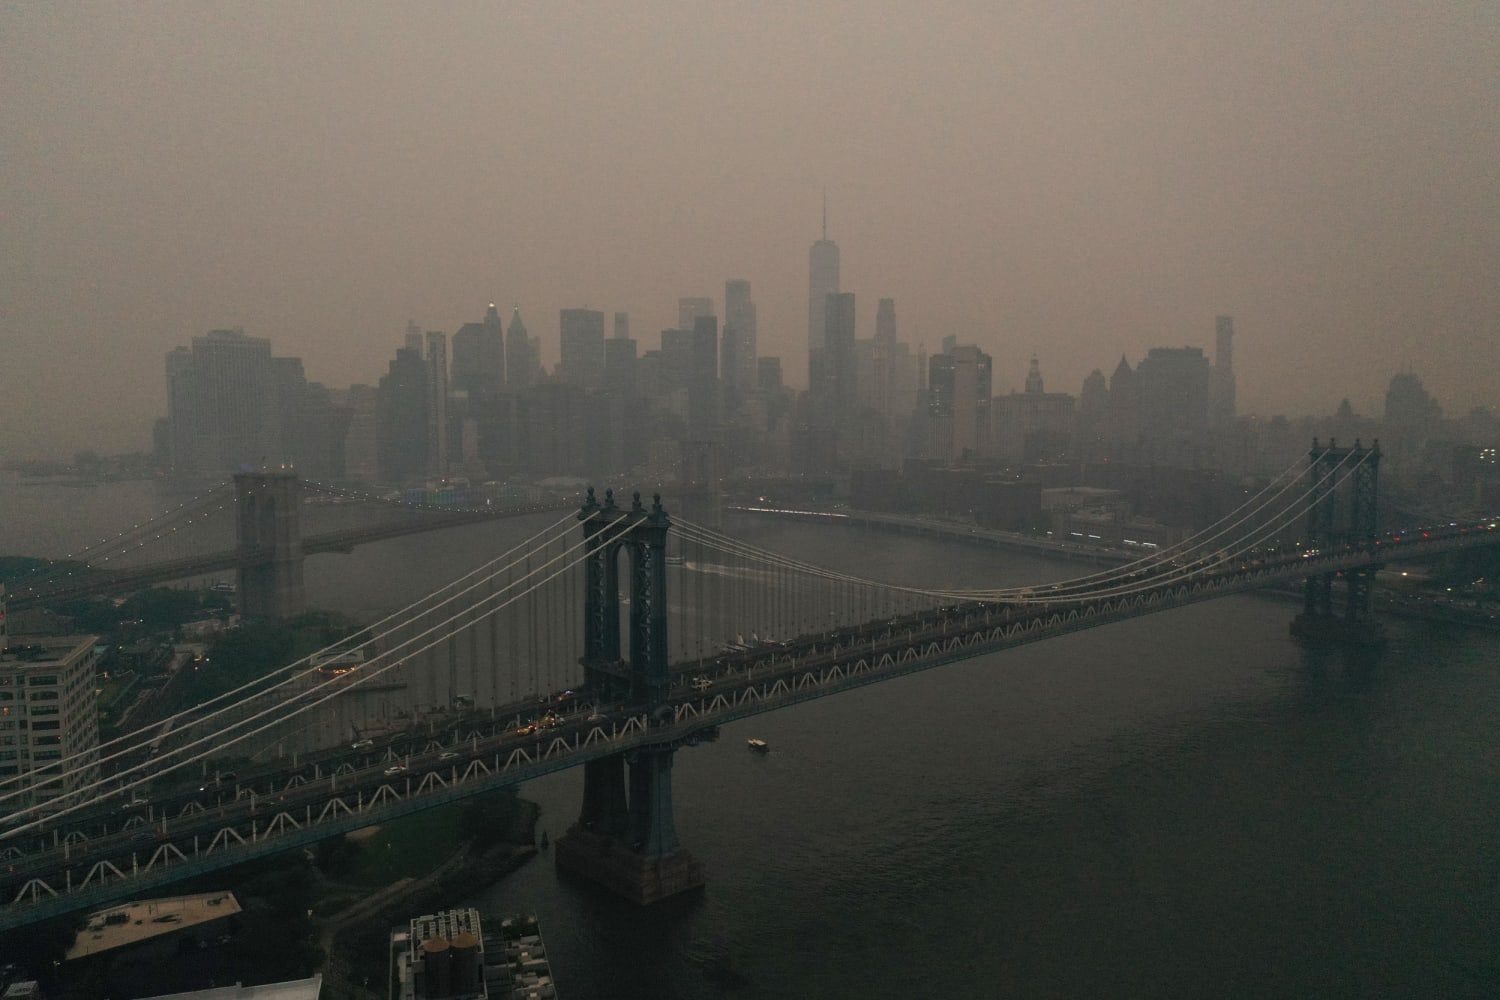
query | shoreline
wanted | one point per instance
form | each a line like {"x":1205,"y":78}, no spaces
{"x":358,"y":936}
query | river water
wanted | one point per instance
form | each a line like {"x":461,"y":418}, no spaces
{"x":1184,"y":805}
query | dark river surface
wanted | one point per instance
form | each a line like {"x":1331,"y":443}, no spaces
{"x":1184,"y":805}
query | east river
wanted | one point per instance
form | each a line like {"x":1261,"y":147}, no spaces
{"x":1184,"y":805}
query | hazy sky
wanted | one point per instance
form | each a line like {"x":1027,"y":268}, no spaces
{"x":1077,"y":180}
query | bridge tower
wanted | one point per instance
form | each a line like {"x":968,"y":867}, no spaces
{"x":1343,"y":483}
{"x":625,"y":839}
{"x":268,"y":535}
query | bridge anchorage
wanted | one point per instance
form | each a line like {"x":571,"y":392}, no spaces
{"x":627,"y":842}
{"x":1342,"y":484}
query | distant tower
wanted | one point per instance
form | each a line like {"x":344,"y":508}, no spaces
{"x":437,"y":404}
{"x":582,"y":344}
{"x":1222,"y":412}
{"x":738,"y":350}
{"x":690,"y":310}
{"x":622,"y":326}
{"x":822,"y":281}
{"x":839,"y":353}
{"x":520,"y":358}
{"x":1034,"y":378}
{"x":885,"y":323}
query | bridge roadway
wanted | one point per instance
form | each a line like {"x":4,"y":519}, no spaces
{"x":111,"y":855}
{"x":109,"y":581}
{"x":952,"y":529}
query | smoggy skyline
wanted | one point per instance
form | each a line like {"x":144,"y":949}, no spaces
{"x":1045,"y":178}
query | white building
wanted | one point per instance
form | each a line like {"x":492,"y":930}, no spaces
{"x":49,"y":720}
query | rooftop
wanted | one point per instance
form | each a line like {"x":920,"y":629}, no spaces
{"x":44,"y":650}
{"x":131,"y":923}
{"x":295,"y":989}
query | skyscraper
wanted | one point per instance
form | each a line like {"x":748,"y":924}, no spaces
{"x":703,"y":377}
{"x":401,"y":419}
{"x":520,"y":358}
{"x":622,"y":326}
{"x":1172,"y":388}
{"x":838,"y":352}
{"x":822,"y":281}
{"x":885,"y":323}
{"x":478,"y":362}
{"x":437,"y":404}
{"x":582,"y":339}
{"x":739,"y":342}
{"x":1222,"y":412}
{"x":690,"y":310}
{"x":958,"y":403}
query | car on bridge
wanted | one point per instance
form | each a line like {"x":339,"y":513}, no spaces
{"x":362,"y":744}
{"x":394,"y":770}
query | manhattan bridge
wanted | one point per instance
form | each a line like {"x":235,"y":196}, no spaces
{"x":612,"y":638}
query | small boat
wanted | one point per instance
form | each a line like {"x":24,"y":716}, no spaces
{"x":758,"y":745}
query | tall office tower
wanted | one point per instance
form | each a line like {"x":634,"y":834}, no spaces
{"x":1123,"y":428}
{"x":520,"y":362}
{"x":230,"y":391}
{"x":620,"y":366}
{"x":703,"y":377}
{"x":478,"y":363}
{"x":359,"y":438}
{"x":437,"y":404}
{"x":582,"y":339}
{"x":840,"y":378}
{"x":768,"y":374}
{"x":622,"y":326}
{"x":1093,"y":413}
{"x":739,"y":347}
{"x":958,"y":403}
{"x":401,"y":420}
{"x":181,"y":415}
{"x":689,"y":311}
{"x":413,"y":336}
{"x":492,"y":354}
{"x":1222,"y":395}
{"x":464,"y":368}
{"x":885,"y":323}
{"x":48,"y":715}
{"x":1172,"y":389}
{"x":822,"y":281}
{"x":1412,"y":418}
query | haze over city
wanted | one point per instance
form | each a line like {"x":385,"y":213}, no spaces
{"x":1048,"y":179}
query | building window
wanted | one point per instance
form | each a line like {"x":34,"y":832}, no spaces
{"x":42,"y":680}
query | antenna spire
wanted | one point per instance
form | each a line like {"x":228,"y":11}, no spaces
{"x":825,"y":212}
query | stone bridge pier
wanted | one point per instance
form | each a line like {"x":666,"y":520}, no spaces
{"x":268,"y":535}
